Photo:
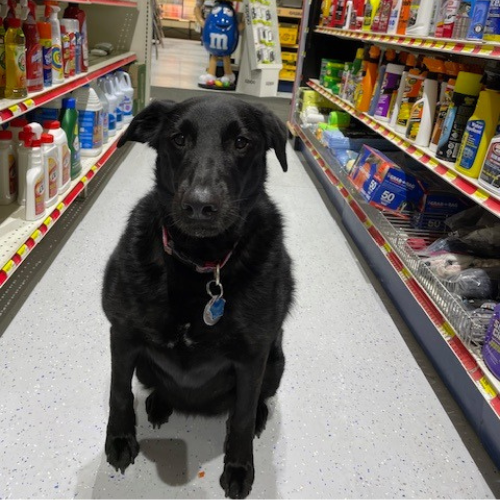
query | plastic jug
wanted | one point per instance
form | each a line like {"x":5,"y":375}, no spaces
{"x":125,"y":83}
{"x":111,"y":89}
{"x":113,"y":103}
{"x":89,"y":120}
{"x":63,"y":154}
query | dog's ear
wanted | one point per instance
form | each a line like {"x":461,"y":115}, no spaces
{"x":146,"y":125}
{"x":276,"y":135}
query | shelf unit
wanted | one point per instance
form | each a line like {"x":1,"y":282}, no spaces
{"x":289,"y":53}
{"x":433,"y":322}
{"x":130,"y":33}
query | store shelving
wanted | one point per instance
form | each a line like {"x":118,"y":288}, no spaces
{"x":19,"y":236}
{"x":466,"y":185}
{"x":10,"y":108}
{"x":444,"y":45}
{"x":113,"y":3}
{"x":289,"y":12}
{"x":382,"y":243}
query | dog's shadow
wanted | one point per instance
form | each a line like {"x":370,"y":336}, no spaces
{"x":184,"y":459}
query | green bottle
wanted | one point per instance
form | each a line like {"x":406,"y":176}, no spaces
{"x":69,"y":123}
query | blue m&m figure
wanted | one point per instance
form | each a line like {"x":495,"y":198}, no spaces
{"x":220,"y":33}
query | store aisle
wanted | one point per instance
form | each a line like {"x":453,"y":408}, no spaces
{"x":354,"y":417}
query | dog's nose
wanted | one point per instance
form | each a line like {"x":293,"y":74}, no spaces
{"x":200,"y":203}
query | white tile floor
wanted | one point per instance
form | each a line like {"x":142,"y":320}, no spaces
{"x":354,"y":417}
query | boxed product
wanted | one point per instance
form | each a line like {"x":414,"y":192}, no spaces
{"x":288,"y":33}
{"x":311,"y":98}
{"x":383,"y":183}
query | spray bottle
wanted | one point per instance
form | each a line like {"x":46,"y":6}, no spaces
{"x":51,"y":10}
{"x":389,"y":89}
{"x":421,"y":119}
{"x":388,"y":57}
{"x":73,"y":11}
{"x":369,"y":79}
{"x":34,"y":58}
{"x":411,"y":62}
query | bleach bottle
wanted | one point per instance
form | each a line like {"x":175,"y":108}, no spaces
{"x":63,"y":154}
{"x":89,"y":120}
{"x":105,"y":111}
{"x":112,"y":105}
{"x":111,"y":89}
{"x":125,"y":83}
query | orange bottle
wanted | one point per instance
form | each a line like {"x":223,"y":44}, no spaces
{"x":370,"y":69}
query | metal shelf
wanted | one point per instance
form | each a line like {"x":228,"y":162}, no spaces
{"x":488,"y":50}
{"x":10,"y":108}
{"x":115,"y":3}
{"x":377,"y":236}
{"x":19,"y":236}
{"x":289,"y":12}
{"x":466,"y":185}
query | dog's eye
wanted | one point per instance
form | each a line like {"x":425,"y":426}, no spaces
{"x":241,"y":142}
{"x":179,"y":139}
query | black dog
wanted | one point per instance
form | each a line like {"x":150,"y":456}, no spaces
{"x":200,"y":283}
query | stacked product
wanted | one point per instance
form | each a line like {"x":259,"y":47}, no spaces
{"x":456,"y":19}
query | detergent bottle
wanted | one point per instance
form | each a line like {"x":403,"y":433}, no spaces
{"x":70,"y":125}
{"x":105,"y":111}
{"x":34,"y":57}
{"x":111,"y":89}
{"x":15,"y":61}
{"x":125,"y":84}
{"x":89,"y":120}
{"x":113,"y":104}
{"x":480,"y":130}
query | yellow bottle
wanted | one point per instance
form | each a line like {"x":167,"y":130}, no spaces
{"x":15,"y":61}
{"x":479,"y":131}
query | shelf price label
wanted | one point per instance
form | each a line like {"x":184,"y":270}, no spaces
{"x":15,"y":109}
{"x":29,"y":103}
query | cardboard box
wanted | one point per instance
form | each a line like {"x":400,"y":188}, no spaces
{"x":288,"y":33}
{"x":383,"y":183}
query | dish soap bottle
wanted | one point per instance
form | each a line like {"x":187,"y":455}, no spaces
{"x":69,"y":123}
{"x":15,"y":61}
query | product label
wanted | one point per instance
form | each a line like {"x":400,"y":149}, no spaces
{"x":52,"y":174}
{"x":12,"y":175}
{"x":492,"y":28}
{"x":415,"y":120}
{"x":411,"y":94}
{"x":34,"y":70}
{"x":47,"y":62}
{"x":66,"y":164}
{"x":443,"y":110}
{"x":39,"y":196}
{"x":387,"y":94}
{"x":119,"y":114}
{"x":127,"y":106}
{"x":490,"y":172}
{"x":470,"y":143}
{"x":90,"y":129}
{"x":491,"y":348}
{"x":444,"y":28}
{"x":57,"y":65}
{"x":66,"y":54}
{"x":16,"y":59}
{"x":111,"y":121}
{"x":479,"y":16}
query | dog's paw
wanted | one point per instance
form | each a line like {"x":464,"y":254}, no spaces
{"x":158,"y":411}
{"x":237,"y":480}
{"x":121,"y":451}
{"x":261,"y":418}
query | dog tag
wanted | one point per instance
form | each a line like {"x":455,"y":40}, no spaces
{"x":214,"y":310}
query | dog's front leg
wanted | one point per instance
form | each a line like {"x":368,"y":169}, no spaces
{"x":238,"y":475}
{"x":121,"y":445}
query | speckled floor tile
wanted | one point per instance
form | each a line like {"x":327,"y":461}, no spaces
{"x":354,"y":417}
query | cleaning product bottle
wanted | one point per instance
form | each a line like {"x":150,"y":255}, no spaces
{"x":388,"y":57}
{"x":447,"y":17}
{"x":394,"y":16}
{"x":45,"y":31}
{"x":51,"y":11}
{"x":3,"y":75}
{"x":421,"y":14}
{"x":371,"y":7}
{"x":69,"y":123}
{"x":111,"y":89}
{"x":63,"y":154}
{"x":480,"y":130}
{"x":113,"y":103}
{"x":34,"y":58}
{"x":489,"y":176}
{"x":35,"y":128}
{"x":105,"y":111}
{"x":404,"y":16}
{"x":492,"y":27}
{"x":73,"y":11}
{"x":353,"y":75}
{"x":16,"y":126}
{"x":35,"y":183}
{"x":89,"y":119}
{"x":8,"y":169}
{"x":15,"y":61}
{"x":462,"y":106}
{"x":23,"y":152}
{"x":388,"y":91}
{"x":445,"y":96}
{"x":65,"y":49}
{"x":369,"y":79}
{"x":125,"y":83}
{"x":376,"y":17}
{"x":51,"y":169}
{"x":411,"y":93}
{"x":421,"y":119}
{"x":9,"y":14}
{"x":385,"y":15}
{"x":78,"y":47}
{"x":411,"y":62}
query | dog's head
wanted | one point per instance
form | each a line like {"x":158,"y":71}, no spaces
{"x":211,"y":158}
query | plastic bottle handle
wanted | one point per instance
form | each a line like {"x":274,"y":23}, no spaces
{"x":127,"y":79}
